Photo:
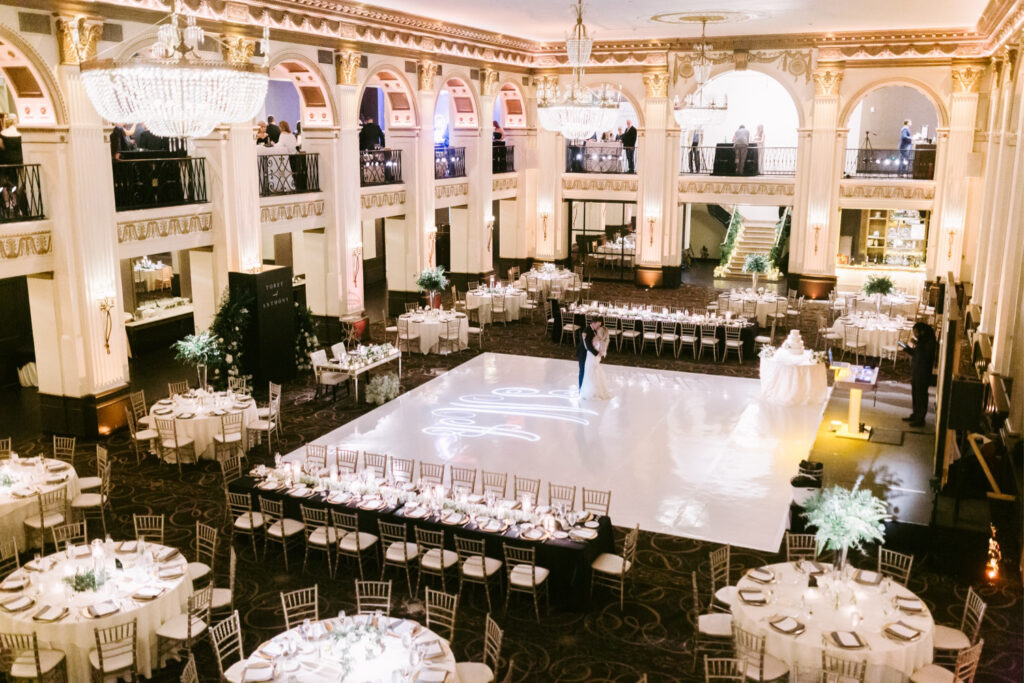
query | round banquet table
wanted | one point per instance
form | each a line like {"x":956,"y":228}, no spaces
{"x":312,"y":653}
{"x":153,"y":278}
{"x":430,"y":326}
{"x":875,"y":331}
{"x":874,"y":609}
{"x":205,"y":420}
{"x":891,"y":304}
{"x":73,"y":633}
{"x":31,"y":476}
{"x":513,"y":300}
{"x":545,"y":280}
{"x":765,"y":305}
{"x":793,"y":379}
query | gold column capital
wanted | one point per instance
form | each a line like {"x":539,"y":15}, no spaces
{"x":425,"y":71}
{"x":656,"y":83}
{"x":77,"y":38}
{"x":489,"y":81}
{"x":237,"y":49}
{"x":546,"y":82}
{"x":827,"y":80}
{"x":966,"y":77}
{"x":347,"y":67}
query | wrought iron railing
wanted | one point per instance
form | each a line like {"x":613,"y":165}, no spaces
{"x":503,"y":159}
{"x":380,"y":167}
{"x":723,"y":160}
{"x":449,"y":162}
{"x":150,"y":183}
{"x":21,"y":196}
{"x":288,"y":173}
{"x":917,"y":164}
{"x":600,"y":158}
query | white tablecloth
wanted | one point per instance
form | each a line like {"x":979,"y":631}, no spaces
{"x":430,"y":327}
{"x":315,"y":659}
{"x":815,"y":608}
{"x":153,"y":277}
{"x":74,"y":634}
{"x":890,"y":304}
{"x":765,"y":305}
{"x":31,"y":477}
{"x":202,"y":427}
{"x":545,"y":280}
{"x":876,"y":332}
{"x":791,"y":379}
{"x":513,"y":300}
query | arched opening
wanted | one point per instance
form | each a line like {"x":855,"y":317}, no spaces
{"x":609,"y":151}
{"x":892,"y":133}
{"x":23,"y":91}
{"x":386,"y":105}
{"x":297,"y":93}
{"x":510,"y":107}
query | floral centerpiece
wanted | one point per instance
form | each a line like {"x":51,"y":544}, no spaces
{"x":382,"y":389}
{"x":845,"y":518}
{"x":433,"y":281}
{"x":305,"y":337}
{"x":878,"y":286}
{"x":756,"y":264}
{"x":362,"y":356}
{"x":200,"y":351}
{"x":82,"y":581}
{"x":548,"y":268}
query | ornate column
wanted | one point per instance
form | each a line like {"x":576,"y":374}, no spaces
{"x":656,"y":205}
{"x":80,"y":342}
{"x":816,"y":221}
{"x":550,"y":229}
{"x":947,"y":227}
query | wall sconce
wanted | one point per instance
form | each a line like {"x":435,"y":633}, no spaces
{"x":650,"y":227}
{"x":952,"y":239}
{"x":490,"y":232}
{"x":357,"y":263}
{"x":432,"y":236}
{"x":544,"y":223}
{"x":817,"y":231}
{"x":106,"y":307}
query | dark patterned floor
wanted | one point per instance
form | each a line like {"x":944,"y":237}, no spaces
{"x":652,"y":635}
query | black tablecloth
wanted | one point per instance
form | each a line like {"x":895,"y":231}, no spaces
{"x":747,"y":334}
{"x":567,"y":560}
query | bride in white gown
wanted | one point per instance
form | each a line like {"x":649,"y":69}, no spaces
{"x":594,"y":386}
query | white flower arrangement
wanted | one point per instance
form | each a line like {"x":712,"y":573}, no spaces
{"x":548,"y":268}
{"x":382,"y":389}
{"x":767,"y":352}
{"x":846,"y":518}
{"x":367,"y":355}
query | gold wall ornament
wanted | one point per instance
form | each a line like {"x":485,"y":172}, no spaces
{"x":291,"y":210}
{"x":171,"y":226}
{"x":237,"y":49}
{"x":380,"y":200}
{"x":966,"y":78}
{"x":77,"y":38}
{"x":489,"y":82}
{"x":544,"y":221}
{"x":817,"y":233}
{"x":546,"y":82}
{"x":826,"y":81}
{"x":656,"y":84}
{"x":347,"y":67}
{"x":952,"y":239}
{"x":426,"y":71}
{"x":650,"y":225}
{"x":796,"y":63}
{"x":26,"y":244}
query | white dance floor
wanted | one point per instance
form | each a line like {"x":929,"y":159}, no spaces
{"x":685,"y":454}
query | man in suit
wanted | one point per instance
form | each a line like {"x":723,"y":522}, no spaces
{"x":273,"y":130}
{"x":370,"y":135}
{"x":628,"y":139}
{"x":922,"y":359}
{"x":906,"y":147}
{"x":120,"y":141}
{"x":586,"y":346}
{"x":740,"y":143}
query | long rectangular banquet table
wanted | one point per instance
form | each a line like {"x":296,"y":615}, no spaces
{"x":566,"y":559}
{"x":747,"y":331}
{"x":341,"y":365}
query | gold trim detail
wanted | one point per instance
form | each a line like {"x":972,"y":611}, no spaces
{"x":77,"y":38}
{"x":172,"y":226}
{"x":826,"y":81}
{"x":237,"y":49}
{"x":504,"y":184}
{"x":599,"y":185}
{"x":286,"y":212}
{"x":347,"y":67}
{"x":380,"y":200}
{"x":966,"y":78}
{"x":656,"y":84}
{"x":452,"y":190}
{"x":796,"y":63}
{"x":425,"y":72}
{"x":26,"y":244}
{"x":782,"y":189}
{"x":488,"y":82}
{"x":888,"y":191}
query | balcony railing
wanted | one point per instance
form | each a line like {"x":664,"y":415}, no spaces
{"x":600,"y":158}
{"x":150,"y":183}
{"x":503,"y":159}
{"x":449,"y":162}
{"x":21,"y":198}
{"x":380,"y":167}
{"x":916,"y":163}
{"x":723,"y":159}
{"x":288,"y":173}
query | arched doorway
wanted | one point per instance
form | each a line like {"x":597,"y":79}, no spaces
{"x":892,"y":131}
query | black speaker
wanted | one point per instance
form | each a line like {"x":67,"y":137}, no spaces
{"x":966,"y":404}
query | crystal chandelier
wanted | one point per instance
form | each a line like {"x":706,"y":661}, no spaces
{"x":175,"y":92}
{"x":697,"y":111}
{"x":578,"y":112}
{"x":702,"y":64}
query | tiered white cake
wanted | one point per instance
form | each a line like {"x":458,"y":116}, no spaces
{"x":794,"y":343}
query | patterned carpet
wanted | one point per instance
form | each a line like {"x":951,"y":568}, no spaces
{"x":651,"y":635}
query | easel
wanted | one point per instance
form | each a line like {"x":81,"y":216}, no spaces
{"x":976,"y":440}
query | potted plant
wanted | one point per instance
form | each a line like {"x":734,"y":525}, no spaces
{"x":845,"y":518}
{"x":433,"y":282}
{"x":755,"y":264}
{"x":199,"y":351}
{"x":878,"y":286}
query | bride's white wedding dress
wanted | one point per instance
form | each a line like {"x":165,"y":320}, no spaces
{"x":594,"y":385}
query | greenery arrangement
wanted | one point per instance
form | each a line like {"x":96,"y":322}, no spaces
{"x":879,"y":284}
{"x":432,"y":280}
{"x":197,"y":349}
{"x":731,"y":233}
{"x":229,"y":328}
{"x":82,"y":581}
{"x":305,"y":337}
{"x":846,"y":518}
{"x":382,"y":388}
{"x":756,"y":263}
{"x":6,"y":479}
{"x":781,"y":239}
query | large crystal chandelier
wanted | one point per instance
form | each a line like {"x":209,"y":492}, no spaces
{"x":578,"y":112}
{"x":699,"y":110}
{"x":702,"y":63}
{"x":174,"y":91}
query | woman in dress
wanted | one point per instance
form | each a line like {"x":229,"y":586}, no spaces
{"x":595,"y":387}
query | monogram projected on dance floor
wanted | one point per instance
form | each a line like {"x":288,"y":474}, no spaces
{"x":501,"y":412}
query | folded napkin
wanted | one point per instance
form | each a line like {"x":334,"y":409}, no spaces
{"x":18,"y":604}
{"x":166,"y":554}
{"x":493,"y":525}
{"x":786,"y":625}
{"x":752,"y":597}
{"x":23,"y":491}
{"x":431,"y":676}
{"x":50,"y":613}
{"x":148,"y":593}
{"x":902,"y":631}
{"x":14,"y":583}
{"x":82,"y":551}
{"x":847,"y":639}
{"x":867,"y":578}
{"x":402,"y":627}
{"x":585,"y":534}
{"x":475,"y":499}
{"x":258,"y":671}
{"x":166,"y":573}
{"x":56,"y":466}
{"x":271,"y":650}
{"x":102,"y":609}
{"x":432,"y":649}
{"x":300,"y":492}
{"x":761,"y":575}
{"x":43,"y":564}
{"x":909,"y":604}
{"x":809,"y":567}
{"x":534,"y":534}
{"x":128,"y":546}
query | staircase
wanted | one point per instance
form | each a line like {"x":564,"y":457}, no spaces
{"x":755,"y":237}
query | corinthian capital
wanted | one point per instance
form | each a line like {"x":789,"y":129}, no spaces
{"x":347,"y":66}
{"x":966,"y":77}
{"x":827,"y":80}
{"x":656,"y":84}
{"x":77,"y":38}
{"x":426,"y":72}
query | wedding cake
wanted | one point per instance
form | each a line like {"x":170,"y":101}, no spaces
{"x":794,"y":343}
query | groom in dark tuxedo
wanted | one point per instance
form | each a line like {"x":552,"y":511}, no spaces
{"x":586,"y":346}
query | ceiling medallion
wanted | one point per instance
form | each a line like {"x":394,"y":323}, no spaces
{"x":704,"y":17}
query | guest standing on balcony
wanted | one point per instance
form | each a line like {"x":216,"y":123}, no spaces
{"x":628,"y":139}
{"x":288,"y":144}
{"x":120,"y":141}
{"x":273,"y":130}
{"x":759,"y":145}
{"x":12,"y":188}
{"x":740,"y":143}
{"x":695,"y":151}
{"x":371,"y":136}
{"x":10,"y":141}
{"x":262,"y":137}
{"x":499,"y":133}
{"x":906,"y":147}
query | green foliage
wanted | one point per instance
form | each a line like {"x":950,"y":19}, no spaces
{"x":432,"y":280}
{"x":731,"y":233}
{"x":879,"y":284}
{"x":756,"y":263}
{"x":781,"y":239}
{"x":305,"y":337}
{"x":229,"y":328}
{"x":197,"y":349}
{"x":845,"y":518}
{"x":82,"y":581}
